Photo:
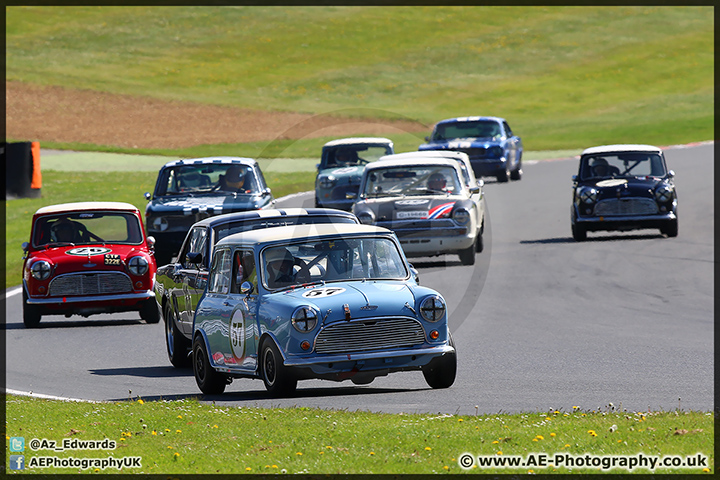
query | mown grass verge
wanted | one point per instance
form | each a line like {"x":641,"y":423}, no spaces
{"x":62,"y":187}
{"x":190,"y":437}
{"x":565,"y":77}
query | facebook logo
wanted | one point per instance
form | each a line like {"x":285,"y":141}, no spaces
{"x":17,"y":462}
{"x":17,"y":444}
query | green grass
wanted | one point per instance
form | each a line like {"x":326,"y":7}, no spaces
{"x":62,"y":187}
{"x":190,"y":437}
{"x":564,"y":77}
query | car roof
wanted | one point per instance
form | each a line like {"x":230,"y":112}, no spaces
{"x":208,"y":160}
{"x":78,"y":206}
{"x":418,"y":161}
{"x":621,"y":148}
{"x":470,"y":119}
{"x":300,"y":232}
{"x":272,"y":213}
{"x":427,"y":154}
{"x":356,"y":140}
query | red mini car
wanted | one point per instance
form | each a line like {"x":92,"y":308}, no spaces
{"x":87,"y":258}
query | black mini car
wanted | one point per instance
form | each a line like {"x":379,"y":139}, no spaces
{"x":623,"y":187}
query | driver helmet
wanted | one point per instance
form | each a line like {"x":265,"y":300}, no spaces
{"x":437,"y":181}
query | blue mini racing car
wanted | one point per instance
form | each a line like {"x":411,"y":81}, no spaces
{"x":327,"y":301}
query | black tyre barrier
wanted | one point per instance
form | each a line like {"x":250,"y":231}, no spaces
{"x":22,"y":170}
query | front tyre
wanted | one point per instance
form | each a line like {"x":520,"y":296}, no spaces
{"x":578,"y":232}
{"x":208,"y":380}
{"x":671,"y":229}
{"x":176,"y":343}
{"x":441,"y":371}
{"x":467,"y":256}
{"x":150,"y":311}
{"x":31,"y":313}
{"x":277,"y":377}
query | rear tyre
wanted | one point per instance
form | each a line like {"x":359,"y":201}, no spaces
{"x":579,"y":233}
{"x":467,"y":256}
{"x":150,"y":311}
{"x":177,"y":344}
{"x":479,"y":242}
{"x":31,"y":313}
{"x":671,"y":229}
{"x":441,"y":371}
{"x":278,"y":379}
{"x":208,"y":380}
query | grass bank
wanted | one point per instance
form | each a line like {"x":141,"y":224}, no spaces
{"x":565,"y":77}
{"x":188,"y":437}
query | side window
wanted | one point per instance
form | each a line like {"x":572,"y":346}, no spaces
{"x":220,"y":272}
{"x":196,"y":244}
{"x":243,"y":269}
{"x":508,"y":132}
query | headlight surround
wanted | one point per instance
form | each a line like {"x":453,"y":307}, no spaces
{"x":461,"y":216}
{"x":40,"y":270}
{"x":432,"y":308}
{"x":138,"y":265}
{"x":160,"y":224}
{"x":588,"y":195}
{"x":327,"y":181}
{"x":496,"y":151}
{"x":366,"y":217}
{"x":664,"y":193}
{"x":304,"y":319}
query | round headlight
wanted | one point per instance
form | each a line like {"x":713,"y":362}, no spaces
{"x":304,"y":319}
{"x":366,"y":217}
{"x":588,"y":195}
{"x":496,"y":151}
{"x":40,"y":270}
{"x":160,"y":224}
{"x":327,"y":182}
{"x":137,"y":265}
{"x":461,"y":216}
{"x":432,"y":308}
{"x":664,"y":193}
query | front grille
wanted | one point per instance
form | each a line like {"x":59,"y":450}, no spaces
{"x":626,"y":206}
{"x":366,"y":335}
{"x":90,"y":284}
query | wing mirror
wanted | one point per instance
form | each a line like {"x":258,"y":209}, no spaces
{"x":150,"y":242}
{"x":246,"y":288}
{"x":266,"y":192}
{"x":25,"y":246}
{"x":414,"y":272}
{"x":148,"y":196}
{"x":194,"y":257}
{"x":670,"y":174}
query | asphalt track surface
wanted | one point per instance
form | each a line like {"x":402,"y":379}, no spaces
{"x":540,"y":322}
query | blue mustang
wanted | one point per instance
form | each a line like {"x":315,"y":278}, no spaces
{"x":329,"y":301}
{"x":493,"y":149}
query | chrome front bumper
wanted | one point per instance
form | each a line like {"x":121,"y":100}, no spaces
{"x":147,"y":294}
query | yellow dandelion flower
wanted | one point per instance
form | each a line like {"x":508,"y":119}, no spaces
{"x":177,"y":454}
{"x":298,"y":453}
{"x":428,"y":448}
{"x":540,"y":437}
{"x":140,"y":401}
{"x":153,"y":432}
{"x":495,"y":441}
{"x":214,"y":426}
{"x":460,"y":420}
{"x":122,"y":439}
{"x":329,"y":447}
{"x":499,"y":452}
{"x":178,"y":431}
{"x":248,"y":469}
{"x":372,"y":453}
{"x":167,"y":429}
{"x":170,"y":447}
{"x":552,"y":434}
{"x":567,"y":445}
{"x":531,"y":471}
{"x":446,"y":467}
{"x":591,"y":432}
{"x":534,"y":439}
{"x":706,"y":470}
{"x":179,"y":416}
{"x":274,"y":466}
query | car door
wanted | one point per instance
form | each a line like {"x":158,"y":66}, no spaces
{"x":514,"y":146}
{"x":190,"y":285}
{"x":241,"y":305}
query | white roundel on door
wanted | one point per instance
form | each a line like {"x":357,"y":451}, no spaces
{"x":237,"y":334}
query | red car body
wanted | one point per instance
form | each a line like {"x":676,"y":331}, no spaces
{"x":88,"y":258}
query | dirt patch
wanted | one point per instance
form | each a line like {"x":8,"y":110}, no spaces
{"x":49,"y":113}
